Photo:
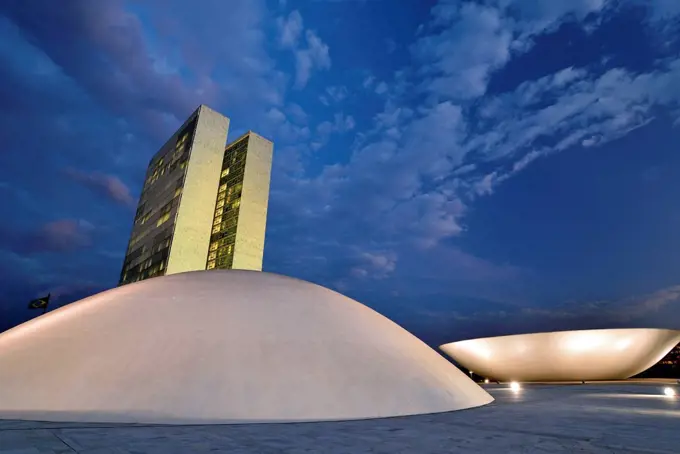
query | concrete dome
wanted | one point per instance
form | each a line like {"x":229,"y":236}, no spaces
{"x":222,"y":346}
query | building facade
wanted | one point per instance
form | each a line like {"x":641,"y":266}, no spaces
{"x":238,"y":228}
{"x":202,"y":206}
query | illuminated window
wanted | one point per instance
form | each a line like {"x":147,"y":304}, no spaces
{"x":236,"y":204}
{"x":213,"y":246}
{"x":223,"y":188}
{"x":217,"y":220}
{"x":211,"y":265}
{"x":225,"y":172}
{"x":220,"y":203}
{"x":178,"y":191}
{"x":218,"y":212}
{"x":216,"y":229}
{"x":220,"y":196}
{"x":182,"y":164}
{"x":212,"y":255}
{"x":133,"y":241}
{"x":163,"y":219}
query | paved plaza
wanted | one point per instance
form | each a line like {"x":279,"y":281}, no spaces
{"x":623,"y":417}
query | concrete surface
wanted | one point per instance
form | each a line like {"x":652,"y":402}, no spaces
{"x":595,"y":354}
{"x":592,"y":418}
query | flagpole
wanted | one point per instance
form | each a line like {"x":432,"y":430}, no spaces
{"x":48,"y":303}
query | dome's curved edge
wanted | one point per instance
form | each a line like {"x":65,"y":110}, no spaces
{"x":92,"y":418}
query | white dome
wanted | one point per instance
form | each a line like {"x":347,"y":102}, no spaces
{"x":598,"y":354}
{"x":222,"y":346}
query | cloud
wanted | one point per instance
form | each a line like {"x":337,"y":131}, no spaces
{"x":589,"y":142}
{"x":314,"y":57}
{"x":375,"y":265}
{"x":344,"y":123}
{"x":458,"y":60}
{"x":408,"y":182}
{"x":64,"y":235}
{"x":356,"y":205}
{"x":290,"y":30}
{"x":340,"y":124}
{"x":381,"y":88}
{"x":297,"y":113}
{"x":389,"y":204}
{"x":310,"y":54}
{"x":469,"y":41}
{"x":585,"y":109}
{"x":130,"y":67}
{"x":109,"y":186}
{"x":337,"y":93}
{"x":525,"y":161}
{"x":486,"y":184}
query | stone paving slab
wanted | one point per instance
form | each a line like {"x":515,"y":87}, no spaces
{"x":612,"y":418}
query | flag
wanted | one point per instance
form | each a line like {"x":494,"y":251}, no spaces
{"x":40,"y":303}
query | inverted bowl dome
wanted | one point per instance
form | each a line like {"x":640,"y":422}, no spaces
{"x":604,"y":354}
{"x":222,"y":346}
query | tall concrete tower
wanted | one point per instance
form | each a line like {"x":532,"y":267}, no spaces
{"x":238,"y":231}
{"x":201,"y":206}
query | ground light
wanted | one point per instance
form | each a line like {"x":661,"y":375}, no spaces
{"x":668,"y":391}
{"x":514,"y":386}
{"x":486,"y":380}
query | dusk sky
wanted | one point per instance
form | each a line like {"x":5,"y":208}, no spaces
{"x":467,"y":168}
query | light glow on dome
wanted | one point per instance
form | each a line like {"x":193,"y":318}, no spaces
{"x":587,"y":355}
{"x":222,"y":347}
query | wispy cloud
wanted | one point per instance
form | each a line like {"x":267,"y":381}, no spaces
{"x":310,"y":52}
{"x":108,"y":186}
{"x":404,"y":181}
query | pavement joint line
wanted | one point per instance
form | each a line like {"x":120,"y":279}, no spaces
{"x":63,"y":441}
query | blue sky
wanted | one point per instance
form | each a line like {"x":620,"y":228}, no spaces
{"x":467,"y":168}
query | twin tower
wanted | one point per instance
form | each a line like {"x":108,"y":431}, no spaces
{"x":203,"y":206}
